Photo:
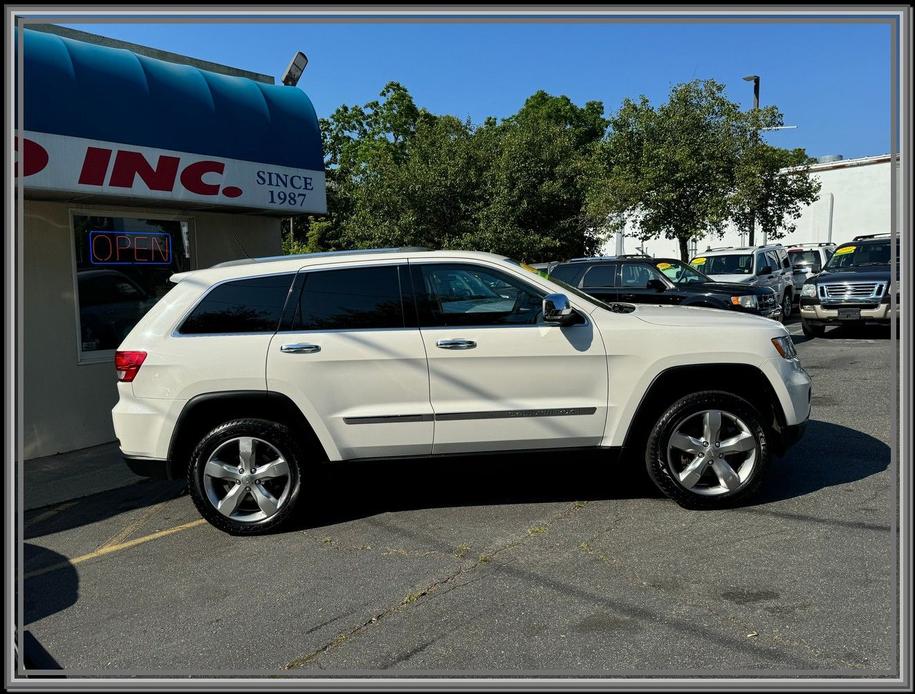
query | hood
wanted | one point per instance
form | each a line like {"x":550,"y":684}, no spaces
{"x":742,"y":279}
{"x":864,"y":274}
{"x":696,"y":316}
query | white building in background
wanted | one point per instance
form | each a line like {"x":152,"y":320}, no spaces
{"x":854,"y":199}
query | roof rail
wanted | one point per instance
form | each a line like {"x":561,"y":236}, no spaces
{"x":870,"y":236}
{"x":593,"y":257}
{"x":322,"y":254}
{"x":813,"y":244}
{"x":634,"y":255}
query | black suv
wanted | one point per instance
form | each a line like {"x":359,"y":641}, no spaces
{"x":854,"y":287}
{"x":644,"y":280}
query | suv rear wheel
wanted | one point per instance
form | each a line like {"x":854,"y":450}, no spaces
{"x":708,"y":450}
{"x":245,"y":476}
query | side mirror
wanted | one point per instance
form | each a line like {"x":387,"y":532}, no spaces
{"x":656,"y":284}
{"x":556,"y":309}
{"x":765,"y":270}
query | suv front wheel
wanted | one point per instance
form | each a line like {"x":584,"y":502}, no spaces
{"x":708,"y":450}
{"x":245,"y":476}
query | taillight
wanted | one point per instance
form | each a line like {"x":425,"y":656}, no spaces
{"x":128,"y":364}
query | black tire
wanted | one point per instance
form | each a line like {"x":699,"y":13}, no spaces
{"x":787,"y":306}
{"x":657,"y":445}
{"x":812,"y":329}
{"x":274,"y":433}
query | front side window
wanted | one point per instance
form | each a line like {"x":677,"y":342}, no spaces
{"x":458,"y":294}
{"x":350,"y":299}
{"x":122,"y":270}
{"x":637,"y":275}
{"x":680,"y":273}
{"x":242,"y":306}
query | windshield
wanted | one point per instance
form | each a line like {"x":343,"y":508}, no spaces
{"x":809,"y":259}
{"x":681,"y":273}
{"x":860,"y":255}
{"x":569,"y":288}
{"x":724,"y":264}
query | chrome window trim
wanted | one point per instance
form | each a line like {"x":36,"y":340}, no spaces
{"x":483,"y":414}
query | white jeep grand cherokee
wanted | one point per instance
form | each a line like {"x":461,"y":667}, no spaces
{"x":247,"y":375}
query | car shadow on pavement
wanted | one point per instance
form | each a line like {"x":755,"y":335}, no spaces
{"x":100,"y":506}
{"x":826,"y":456}
{"x":529,"y":478}
{"x":849,"y":332}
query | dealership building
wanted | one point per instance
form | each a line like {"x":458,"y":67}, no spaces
{"x":136,"y":164}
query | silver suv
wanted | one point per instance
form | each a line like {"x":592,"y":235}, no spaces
{"x":761,"y":266}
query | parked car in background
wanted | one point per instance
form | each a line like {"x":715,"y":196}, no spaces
{"x":762,"y":266}
{"x":853,"y":288}
{"x":245,"y":377}
{"x":642,"y":279}
{"x":807,"y":260}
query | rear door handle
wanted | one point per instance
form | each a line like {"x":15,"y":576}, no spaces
{"x":300,"y":348}
{"x":455,"y":344}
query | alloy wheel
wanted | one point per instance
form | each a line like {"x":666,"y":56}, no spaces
{"x":247,"y":479}
{"x":712,"y":452}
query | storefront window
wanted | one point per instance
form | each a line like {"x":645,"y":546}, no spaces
{"x":122,"y":269}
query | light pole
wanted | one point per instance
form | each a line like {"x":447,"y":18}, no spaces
{"x":755,"y":80}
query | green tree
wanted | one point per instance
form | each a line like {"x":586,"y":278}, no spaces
{"x":398,"y":175}
{"x":685,"y":169}
{"x":772,"y":184}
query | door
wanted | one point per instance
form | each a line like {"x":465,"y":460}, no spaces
{"x":352,"y":358}
{"x":767,"y":279}
{"x":499,"y":378}
{"x":636,"y":286}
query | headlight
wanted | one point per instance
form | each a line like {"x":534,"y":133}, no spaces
{"x":748,"y":301}
{"x":785,"y":347}
{"x":809,"y":290}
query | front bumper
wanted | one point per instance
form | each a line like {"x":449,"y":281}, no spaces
{"x":829,"y":315}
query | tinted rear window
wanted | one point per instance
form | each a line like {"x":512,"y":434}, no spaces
{"x":570,"y":274}
{"x":243,"y":306}
{"x":351,"y":299}
{"x":600,"y":276}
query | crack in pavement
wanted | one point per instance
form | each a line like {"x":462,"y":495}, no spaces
{"x":414,"y":597}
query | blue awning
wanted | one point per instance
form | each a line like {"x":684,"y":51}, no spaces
{"x":77,"y":89}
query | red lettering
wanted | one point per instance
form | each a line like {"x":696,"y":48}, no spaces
{"x":128,"y":165}
{"x":126,"y":240}
{"x":95,"y":166}
{"x":95,"y":253}
{"x":192,"y":177}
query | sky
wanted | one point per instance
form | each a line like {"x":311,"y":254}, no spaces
{"x":831,"y":80}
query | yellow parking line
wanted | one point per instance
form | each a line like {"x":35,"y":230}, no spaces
{"x":101,"y":552}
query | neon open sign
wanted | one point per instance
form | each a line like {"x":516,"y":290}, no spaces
{"x":130,"y":248}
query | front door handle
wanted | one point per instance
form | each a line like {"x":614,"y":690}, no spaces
{"x":300,"y":348}
{"x":455,"y":344}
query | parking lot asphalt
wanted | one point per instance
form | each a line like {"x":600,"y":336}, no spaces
{"x":549,"y":564}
